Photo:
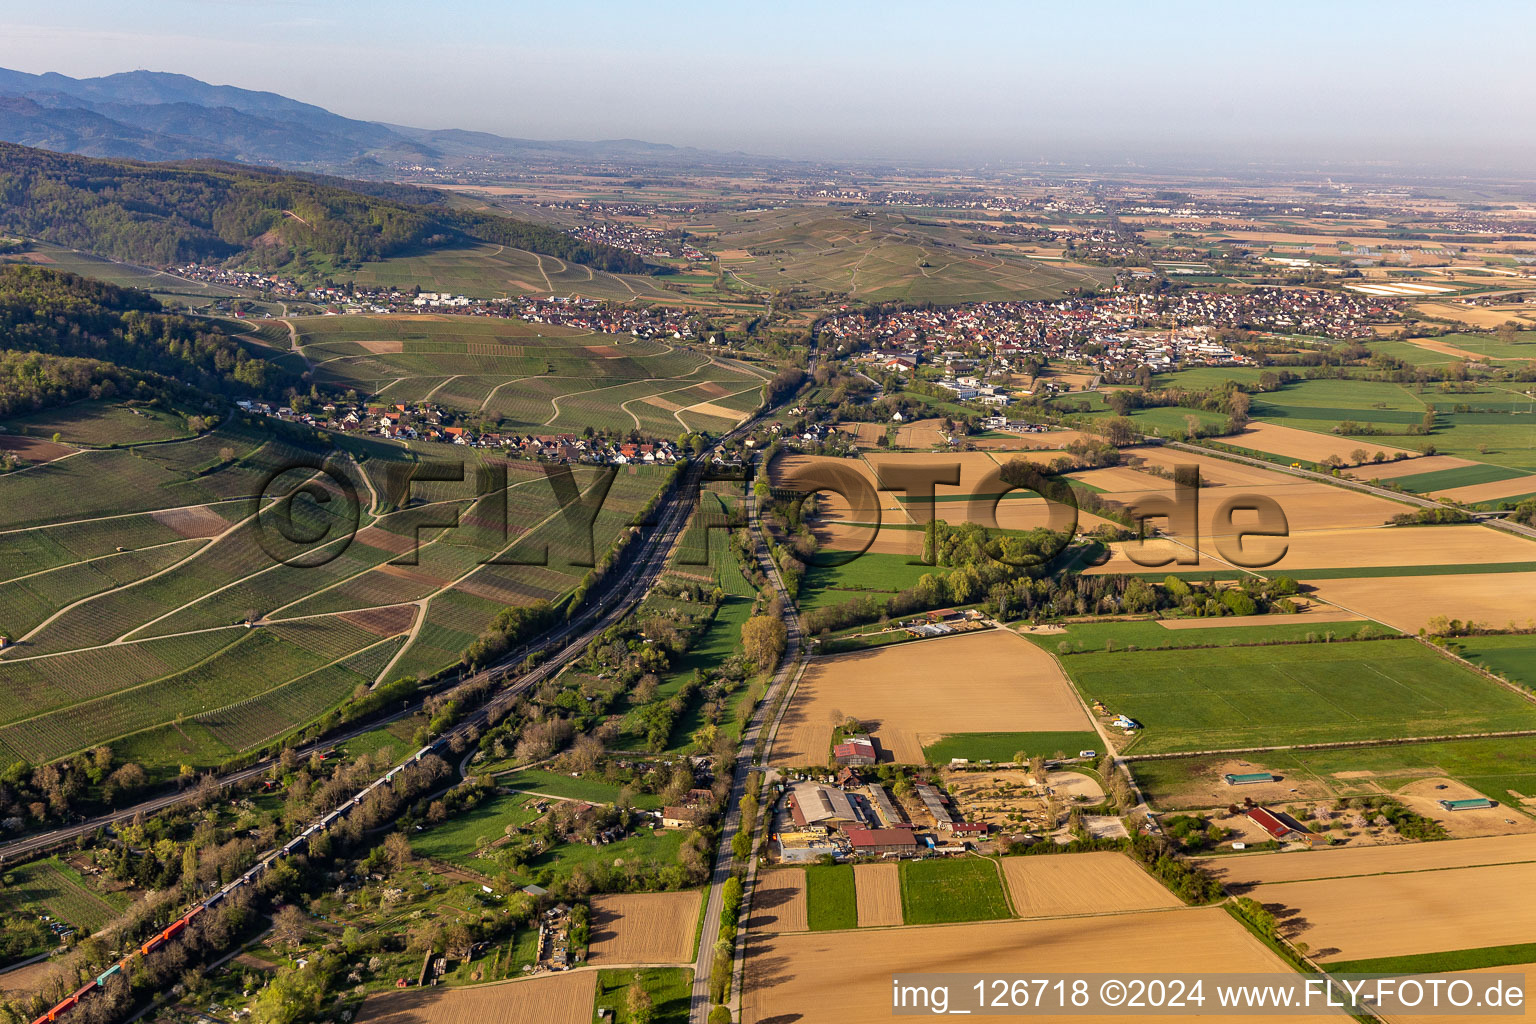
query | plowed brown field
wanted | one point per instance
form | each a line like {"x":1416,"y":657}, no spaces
{"x":913,"y":694}
{"x":644,"y":928}
{"x":1088,"y":883}
{"x":845,"y":977}
{"x":878,"y":890}
{"x":551,"y":999}
{"x":778,"y":901}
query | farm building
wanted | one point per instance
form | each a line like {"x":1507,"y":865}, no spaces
{"x":811,"y":803}
{"x":1248,"y":778}
{"x":880,"y":841}
{"x":1276,"y":828}
{"x":972,"y":829}
{"x":1476,"y":803}
{"x":884,"y":810}
{"x":858,"y":751}
{"x":682,"y":817}
{"x":934,"y":801}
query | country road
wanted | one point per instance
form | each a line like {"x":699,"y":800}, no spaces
{"x":754,"y":742}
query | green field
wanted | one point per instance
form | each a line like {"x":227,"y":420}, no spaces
{"x":830,"y":903}
{"x":594,"y":791}
{"x":1496,"y":425}
{"x":457,"y":839}
{"x":1522,"y":347}
{"x":56,"y":886}
{"x":100,"y":424}
{"x":1501,"y":769}
{"x":1463,"y":476}
{"x":872,"y":574}
{"x":670,"y":989}
{"x":948,"y":889}
{"x":1439,"y":963}
{"x":1237,"y":697}
{"x":1001,"y":746}
{"x":1147,"y":635}
{"x":1513,"y":657}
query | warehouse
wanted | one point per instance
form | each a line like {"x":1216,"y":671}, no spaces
{"x":896,"y":842}
{"x":1248,"y":778}
{"x":811,"y":803}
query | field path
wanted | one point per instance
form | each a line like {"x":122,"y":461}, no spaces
{"x":410,"y":638}
{"x":542,"y":273}
{"x":498,"y":387}
{"x":446,"y":381}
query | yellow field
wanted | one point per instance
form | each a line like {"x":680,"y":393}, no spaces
{"x":877,"y":888}
{"x":845,"y":977}
{"x":1305,"y":445}
{"x":1087,"y":883}
{"x":1371,"y":860}
{"x":1528,"y":970}
{"x":778,"y":901}
{"x":1495,"y":600}
{"x":912,"y":694}
{"x":644,"y":928}
{"x":550,"y":999}
{"x":1476,"y":316}
{"x":1411,"y":912}
{"x":1475,"y":493}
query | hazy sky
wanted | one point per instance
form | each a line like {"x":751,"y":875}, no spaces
{"x":1425,"y":82}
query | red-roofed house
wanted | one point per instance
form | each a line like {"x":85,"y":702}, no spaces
{"x":874,"y":841}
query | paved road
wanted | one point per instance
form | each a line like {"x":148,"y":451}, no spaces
{"x":754,"y":740}
{"x":1345,"y":482}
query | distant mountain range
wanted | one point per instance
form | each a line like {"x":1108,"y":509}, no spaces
{"x":151,"y":115}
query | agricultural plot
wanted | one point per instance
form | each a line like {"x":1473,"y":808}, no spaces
{"x":877,"y":888}
{"x":779,"y":901}
{"x":830,"y":901}
{"x":644,"y":928}
{"x":851,"y":970}
{"x":1397,"y":913}
{"x":909,"y":695}
{"x":1073,"y":884}
{"x":878,"y":260}
{"x":1412,"y":602}
{"x":550,"y":999}
{"x":947,"y":890}
{"x":58,"y":888}
{"x":1150,"y":635}
{"x":493,"y":271}
{"x":1237,"y":697}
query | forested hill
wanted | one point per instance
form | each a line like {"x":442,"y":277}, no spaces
{"x":163,"y":214}
{"x":63,"y":338}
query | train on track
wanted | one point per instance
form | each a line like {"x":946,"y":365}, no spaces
{"x":299,"y":842}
